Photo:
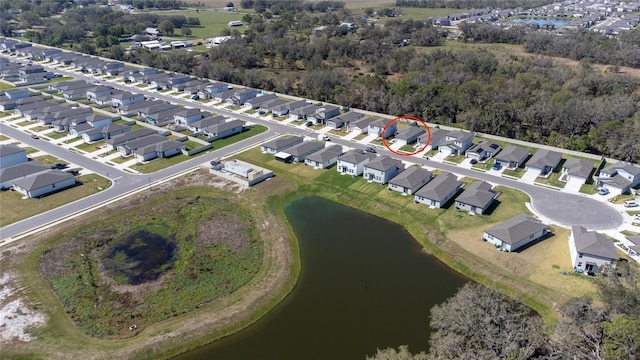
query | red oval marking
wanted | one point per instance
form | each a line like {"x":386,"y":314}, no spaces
{"x":408,"y":117}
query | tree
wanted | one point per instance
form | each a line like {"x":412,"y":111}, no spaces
{"x":480,"y":323}
{"x":401,"y":354}
{"x":166,"y":27}
{"x":621,"y":338}
{"x":186,"y":31}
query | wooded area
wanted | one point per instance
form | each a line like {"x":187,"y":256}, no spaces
{"x":480,"y":323}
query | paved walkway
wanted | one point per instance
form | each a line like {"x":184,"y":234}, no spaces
{"x":350,"y":135}
{"x":368,"y":139}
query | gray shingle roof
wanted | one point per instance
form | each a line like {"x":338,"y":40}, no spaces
{"x":630,"y":168}
{"x":356,"y":156}
{"x":304,"y":148}
{"x":411,"y":177}
{"x":135,"y":134}
{"x":42,"y":180}
{"x":515,"y":229}
{"x":410,"y":132}
{"x":544,"y":158}
{"x":279,"y":143}
{"x":513,"y":153}
{"x":20,"y":170}
{"x":383,"y":163}
{"x":224,"y":126}
{"x":438,"y":188}
{"x":9,"y":149}
{"x":593,"y":243}
{"x":578,"y":167}
{"x":483,"y":146}
{"x":478,"y":194}
{"x":326,"y":154}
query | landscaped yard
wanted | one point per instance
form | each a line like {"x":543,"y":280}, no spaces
{"x":56,"y":134}
{"x":515,"y":173}
{"x":23,"y":208}
{"x":212,"y":21}
{"x":91,"y":147}
{"x":552,"y":180}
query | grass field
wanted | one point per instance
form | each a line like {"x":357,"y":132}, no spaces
{"x":212,"y":22}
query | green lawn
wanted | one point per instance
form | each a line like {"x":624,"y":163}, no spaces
{"x":484,"y":166}
{"x":24,"y":208}
{"x":552,"y":180}
{"x":3,"y":137}
{"x":212,"y":21}
{"x":253,"y":130}
{"x":91,"y":147}
{"x":515,"y":173}
{"x":56,"y":134}
{"x":121,"y":159}
{"x":49,"y":160}
{"x":63,"y":78}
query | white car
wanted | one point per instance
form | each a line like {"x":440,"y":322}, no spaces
{"x":636,"y":217}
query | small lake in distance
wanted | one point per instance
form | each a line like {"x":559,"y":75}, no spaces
{"x":540,"y":21}
{"x":364,"y":284}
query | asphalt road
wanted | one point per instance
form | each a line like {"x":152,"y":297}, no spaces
{"x":559,"y":207}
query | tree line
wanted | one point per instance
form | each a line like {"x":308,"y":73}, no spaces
{"x":474,"y":4}
{"x":480,"y":323}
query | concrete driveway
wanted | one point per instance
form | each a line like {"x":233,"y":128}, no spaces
{"x":530,"y":176}
{"x":573,"y":185}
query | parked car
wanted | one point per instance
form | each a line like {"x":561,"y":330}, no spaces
{"x":603,"y":191}
{"x":371,"y":150}
{"x":636,"y":217}
{"x":496,"y":166}
{"x":309,"y":123}
{"x":35,"y":136}
{"x":73,"y":172}
{"x":630,"y":203}
{"x":58,"y":166}
{"x":473,"y":161}
{"x":195,"y":97}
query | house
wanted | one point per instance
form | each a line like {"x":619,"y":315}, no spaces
{"x":324,"y":158}
{"x":96,"y":91}
{"x":576,"y":169}
{"x":270,"y":106}
{"x":212,"y":89}
{"x":410,"y":180}
{"x":299,"y":152}
{"x":132,"y":109}
{"x":114,"y":142}
{"x":434,"y":139}
{"x":257,"y":101}
{"x":482,"y":150}
{"x":163,"y":149}
{"x":344,"y":119}
{"x":80,"y":129}
{"x":45,"y":183}
{"x":477,"y":198}
{"x":17,"y":93}
{"x":514,"y":233}
{"x":241,"y":96}
{"x":382,"y":169}
{"x":11,"y":155}
{"x":159,"y":80}
{"x":304,"y":112}
{"x":456,"y":142}
{"x":352,"y":162}
{"x":543,"y":161}
{"x":633,"y":249}
{"x":591,"y":251}
{"x":20,"y":171}
{"x":360,"y":126}
{"x":111,"y":68}
{"x":288,"y":108}
{"x":200,"y":125}
{"x":224,"y":95}
{"x":106,"y":132}
{"x":186,"y":116}
{"x":619,"y":177}
{"x":176,"y":82}
{"x":409,"y":134}
{"x":125,"y":98}
{"x":130,"y":147}
{"x":324,"y":113}
{"x":162,"y":117}
{"x":439,"y":190}
{"x":512,"y":157}
{"x":276,"y":145}
{"x":152,"y":31}
{"x":224,"y":129}
{"x":376,"y":127}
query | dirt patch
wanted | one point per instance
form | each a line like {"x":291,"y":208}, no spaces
{"x":232,"y":233}
{"x":17,"y":316}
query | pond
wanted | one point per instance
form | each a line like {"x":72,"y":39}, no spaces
{"x":365,"y":284}
{"x":540,"y":21}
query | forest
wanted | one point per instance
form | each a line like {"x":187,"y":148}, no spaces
{"x":480,"y":323}
{"x":406,"y":67}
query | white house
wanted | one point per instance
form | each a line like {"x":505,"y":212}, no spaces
{"x":515,"y":233}
{"x":12,"y":173}
{"x":11,"y":154}
{"x":160,"y":150}
{"x":45,"y":183}
{"x":224,"y":129}
{"x":382,"y":169}
{"x":544,"y":161}
{"x":576,"y":169}
{"x":439,"y":190}
{"x":512,"y":157}
{"x":619,"y":177}
{"x":353,"y":162}
{"x":477,"y":198}
{"x":591,"y":251}
{"x":482,"y":150}
{"x":276,"y":145}
{"x":325,"y":157}
{"x":300,"y":151}
{"x":376,"y":127}
{"x":410,"y":180}
{"x":456,"y":142}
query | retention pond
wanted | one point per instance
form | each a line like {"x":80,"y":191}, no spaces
{"x":365,"y":284}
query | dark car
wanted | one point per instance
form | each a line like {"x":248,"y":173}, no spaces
{"x":58,"y":166}
{"x":370,"y":149}
{"x":35,"y":136}
{"x":473,"y":161}
{"x":497,"y":166}
{"x":309,"y":123}
{"x":73,"y":172}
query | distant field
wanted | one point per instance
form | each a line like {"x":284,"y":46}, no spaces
{"x":212,"y":21}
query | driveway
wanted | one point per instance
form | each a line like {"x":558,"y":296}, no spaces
{"x":530,"y":176}
{"x":573,"y":185}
